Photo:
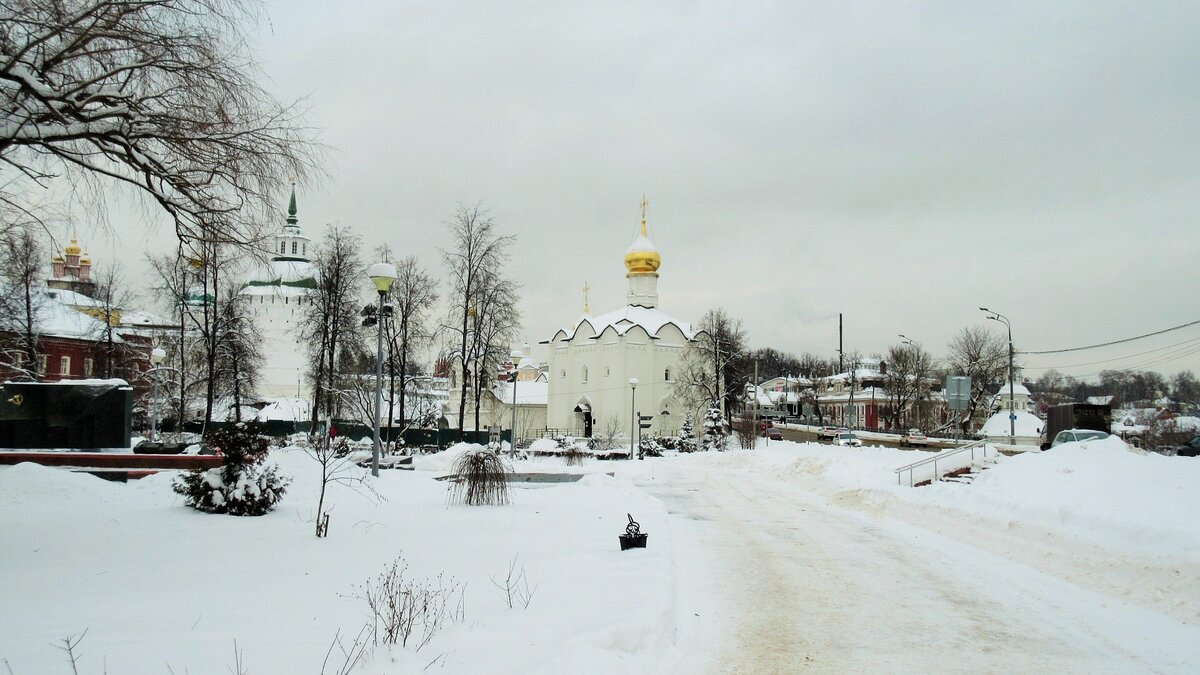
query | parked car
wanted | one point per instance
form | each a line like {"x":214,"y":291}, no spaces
{"x":773,"y":433}
{"x":827,"y":432}
{"x":848,"y":439}
{"x":1189,"y":449}
{"x":914,"y":437}
{"x":1072,"y":435}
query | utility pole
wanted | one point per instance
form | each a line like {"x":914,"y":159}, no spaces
{"x":841,"y":366}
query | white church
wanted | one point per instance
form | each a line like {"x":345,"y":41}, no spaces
{"x":590,"y":364}
{"x":277,"y":294}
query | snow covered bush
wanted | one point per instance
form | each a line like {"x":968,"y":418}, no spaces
{"x":649,"y":447}
{"x":479,"y":476}
{"x":242,"y":487}
{"x":716,"y":430}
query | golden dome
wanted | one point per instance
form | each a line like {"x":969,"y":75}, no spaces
{"x":85,"y":260}
{"x":73,"y":248}
{"x":642,"y":257}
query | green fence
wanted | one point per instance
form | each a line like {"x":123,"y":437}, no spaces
{"x":413,"y":438}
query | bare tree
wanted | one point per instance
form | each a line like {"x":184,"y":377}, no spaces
{"x":477,"y":253}
{"x":331,"y":321}
{"x":238,"y":348}
{"x":496,"y":323}
{"x":407,"y":328}
{"x":111,"y":296}
{"x":982,"y":356}
{"x":159,"y":96}
{"x":714,"y":367}
{"x":21,"y":272}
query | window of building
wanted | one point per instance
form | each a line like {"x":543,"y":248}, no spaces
{"x":87,"y":367}
{"x":667,"y":375}
{"x":606,"y":371}
{"x":64,"y":365}
{"x":303,"y":249}
{"x":282,"y":247}
{"x":294,"y":247}
{"x":42,"y":363}
{"x":583,"y":376}
{"x":563,"y":373}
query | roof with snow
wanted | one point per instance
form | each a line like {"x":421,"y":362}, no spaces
{"x":288,"y":409}
{"x":282,"y":275}
{"x":55,"y":318}
{"x":621,"y":321}
{"x":528,"y":393}
{"x":1018,"y":390}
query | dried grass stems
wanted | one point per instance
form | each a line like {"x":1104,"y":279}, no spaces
{"x":515,"y":586}
{"x":574,"y":456}
{"x":480,"y":477}
{"x":403,"y":609}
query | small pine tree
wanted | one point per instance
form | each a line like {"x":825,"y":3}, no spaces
{"x":687,"y":435}
{"x":242,"y":487}
{"x":716,"y":430}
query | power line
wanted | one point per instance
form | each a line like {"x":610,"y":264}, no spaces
{"x":1190,"y":341}
{"x":1114,"y":342}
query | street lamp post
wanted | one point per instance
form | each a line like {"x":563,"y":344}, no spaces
{"x":916,"y":347}
{"x":512,"y":432}
{"x":1012,"y":407}
{"x":382,"y":274}
{"x":633,"y":420}
{"x":156,"y":358}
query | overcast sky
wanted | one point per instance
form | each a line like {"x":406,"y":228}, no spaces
{"x":900,"y":163}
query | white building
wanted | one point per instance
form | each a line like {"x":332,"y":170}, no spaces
{"x":277,"y":295}
{"x":591,"y":363}
{"x":1020,"y":399}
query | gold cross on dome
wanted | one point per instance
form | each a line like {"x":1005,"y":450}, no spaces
{"x":645,"y":203}
{"x":586,"y":288}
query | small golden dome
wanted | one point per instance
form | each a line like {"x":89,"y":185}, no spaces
{"x":85,"y":260}
{"x":73,"y":248}
{"x":642,"y":257}
{"x":57,"y":258}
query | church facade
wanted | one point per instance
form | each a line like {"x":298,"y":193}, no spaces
{"x":276,"y":296}
{"x":591,"y":363}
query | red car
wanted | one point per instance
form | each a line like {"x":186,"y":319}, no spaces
{"x":773,"y":434}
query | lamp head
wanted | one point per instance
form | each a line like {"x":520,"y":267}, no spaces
{"x":382,"y":274}
{"x":633,"y":382}
{"x":157,"y":355}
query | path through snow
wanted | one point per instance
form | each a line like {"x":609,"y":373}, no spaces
{"x":806,"y":585}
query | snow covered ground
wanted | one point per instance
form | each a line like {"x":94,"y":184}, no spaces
{"x":798,"y":556}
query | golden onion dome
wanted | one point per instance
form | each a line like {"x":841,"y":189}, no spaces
{"x":85,"y":260}
{"x":57,"y":258}
{"x":642,"y":256}
{"x":73,"y":248}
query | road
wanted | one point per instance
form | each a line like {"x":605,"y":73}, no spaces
{"x":796,"y":583}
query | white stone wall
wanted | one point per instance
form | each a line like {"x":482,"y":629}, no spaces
{"x":284,"y":357}
{"x":610,"y":362}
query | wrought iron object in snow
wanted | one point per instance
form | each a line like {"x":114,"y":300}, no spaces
{"x":633,"y":537}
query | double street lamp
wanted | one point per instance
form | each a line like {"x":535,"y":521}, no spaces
{"x":382,"y":274}
{"x":156,"y":358}
{"x":1012,"y":408}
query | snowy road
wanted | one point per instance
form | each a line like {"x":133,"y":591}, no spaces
{"x":803,"y":585}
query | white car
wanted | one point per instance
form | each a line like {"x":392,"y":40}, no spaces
{"x":847,"y":439}
{"x":914,"y":437}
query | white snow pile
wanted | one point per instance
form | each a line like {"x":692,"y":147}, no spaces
{"x":160,"y":587}
{"x":1026,"y":425}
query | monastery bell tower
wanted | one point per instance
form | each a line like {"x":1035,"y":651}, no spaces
{"x":641,"y":264}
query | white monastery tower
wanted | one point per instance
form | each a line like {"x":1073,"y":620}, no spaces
{"x":591,"y":363}
{"x":277,"y":295}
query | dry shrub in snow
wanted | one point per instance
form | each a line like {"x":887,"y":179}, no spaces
{"x":574,"y":456}
{"x":403,"y":609}
{"x":479,"y":476}
{"x":243,"y":487}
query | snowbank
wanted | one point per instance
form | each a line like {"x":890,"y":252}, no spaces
{"x":157,"y":584}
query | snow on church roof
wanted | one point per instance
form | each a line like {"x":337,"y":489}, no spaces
{"x":1018,"y":390}
{"x":621,"y":320}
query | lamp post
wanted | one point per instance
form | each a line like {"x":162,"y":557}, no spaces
{"x":512,"y":432}
{"x":382,"y":274}
{"x":633,"y":420}
{"x":1012,"y":408}
{"x":156,"y":357}
{"x":916,"y":347}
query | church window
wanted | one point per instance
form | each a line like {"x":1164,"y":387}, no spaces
{"x":563,"y":373}
{"x":303,"y":249}
{"x":667,"y":375}
{"x":282,"y":247}
{"x":583,"y":378}
{"x":606,"y":371}
{"x":293,"y":248}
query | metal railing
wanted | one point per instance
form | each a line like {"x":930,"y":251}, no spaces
{"x":980,"y":445}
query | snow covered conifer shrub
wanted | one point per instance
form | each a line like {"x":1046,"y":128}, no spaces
{"x":687,"y":435}
{"x":242,"y":487}
{"x":480,"y":477}
{"x":716,"y":430}
{"x":648,"y":447}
